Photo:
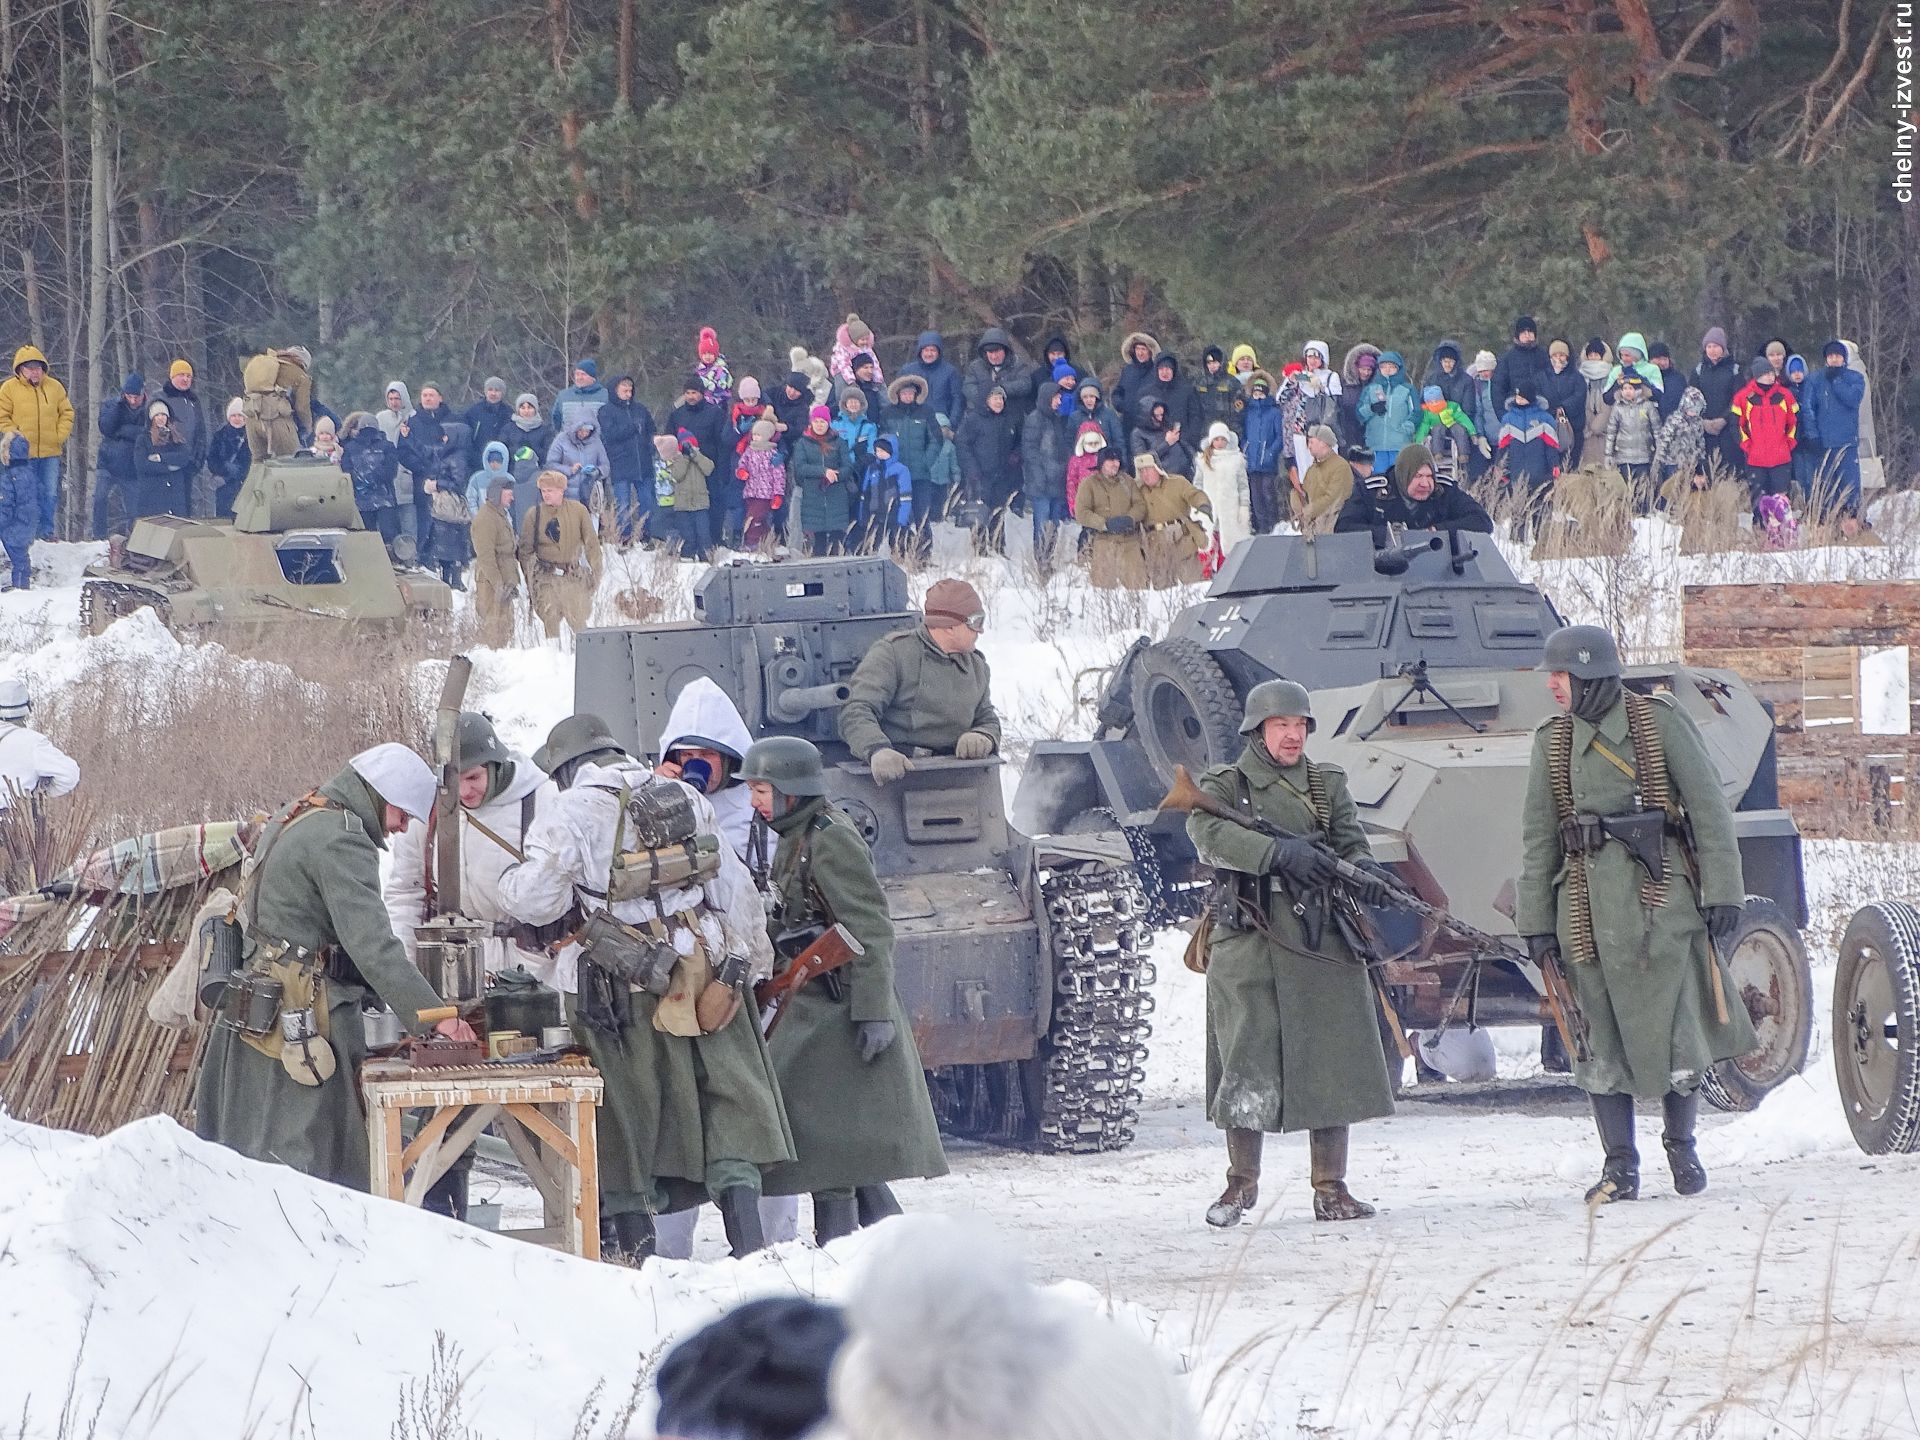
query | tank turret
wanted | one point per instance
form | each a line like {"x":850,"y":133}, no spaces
{"x":294,"y":494}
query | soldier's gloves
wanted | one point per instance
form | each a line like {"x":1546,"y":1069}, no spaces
{"x":973,"y":745}
{"x":888,"y":766}
{"x":1722,"y":921}
{"x":1301,"y":861}
{"x":1379,"y":886}
{"x":874,"y":1037}
{"x":1121,"y":525}
{"x":1543,"y":949}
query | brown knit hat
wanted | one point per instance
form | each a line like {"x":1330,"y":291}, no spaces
{"x":954,"y":602}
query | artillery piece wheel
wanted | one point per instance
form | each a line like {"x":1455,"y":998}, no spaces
{"x":1876,"y":1027}
{"x":1184,"y":709}
{"x":1771,"y":977}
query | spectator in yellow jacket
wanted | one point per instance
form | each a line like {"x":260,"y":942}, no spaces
{"x":35,"y":404}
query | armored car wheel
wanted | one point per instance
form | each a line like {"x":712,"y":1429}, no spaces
{"x":1768,"y":965}
{"x":1184,"y":710}
{"x":1876,"y":1027}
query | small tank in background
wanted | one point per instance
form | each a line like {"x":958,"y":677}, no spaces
{"x":295,"y":548}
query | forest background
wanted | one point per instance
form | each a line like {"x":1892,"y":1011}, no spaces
{"x":446,"y":189}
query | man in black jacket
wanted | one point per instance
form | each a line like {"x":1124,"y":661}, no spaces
{"x":626,"y":433}
{"x":1522,"y":370}
{"x":994,"y":363}
{"x":487,"y":420}
{"x":1412,"y":496}
{"x":707,"y":424}
{"x":1718,"y":377}
{"x":123,"y":430}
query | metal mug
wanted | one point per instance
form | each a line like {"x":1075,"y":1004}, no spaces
{"x":556,"y":1037}
{"x":383,"y":1029}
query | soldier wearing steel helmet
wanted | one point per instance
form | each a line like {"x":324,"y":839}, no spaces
{"x":1635,"y":945}
{"x":849,"y":1069}
{"x":1292,"y":1038}
{"x":317,"y":940}
{"x":691,"y":1110}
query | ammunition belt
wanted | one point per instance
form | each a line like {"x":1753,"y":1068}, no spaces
{"x":1653,"y":791}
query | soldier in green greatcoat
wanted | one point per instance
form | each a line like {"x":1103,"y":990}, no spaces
{"x":849,"y":1069}
{"x":1292,"y":1038}
{"x":924,"y":691}
{"x":317,"y":928}
{"x":1635,"y":946}
{"x":689,"y":1113}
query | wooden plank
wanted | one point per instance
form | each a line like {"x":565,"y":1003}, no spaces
{"x":1829,"y":662}
{"x":437,"y":1125}
{"x":552,"y":1196}
{"x":585,"y":1132}
{"x":1822,"y":710}
{"x":550,"y":1134}
{"x":447,"y":1154}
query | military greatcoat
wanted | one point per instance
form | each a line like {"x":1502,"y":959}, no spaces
{"x":1646,"y":997}
{"x":907,"y":693}
{"x":854,"y":1123}
{"x":318,"y":886}
{"x":1292,"y":1039}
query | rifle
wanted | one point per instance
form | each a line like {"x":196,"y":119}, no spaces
{"x":1188,"y":797}
{"x":834,"y":947}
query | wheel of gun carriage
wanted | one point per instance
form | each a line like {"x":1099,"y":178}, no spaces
{"x":1876,"y":1027}
{"x":1771,"y":977}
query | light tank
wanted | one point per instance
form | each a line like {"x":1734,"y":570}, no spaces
{"x":295,"y":548}
{"x":1019,"y":962}
{"x":1419,"y":659}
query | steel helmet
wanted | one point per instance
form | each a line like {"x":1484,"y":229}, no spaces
{"x":787,"y":763}
{"x":1272,"y":698}
{"x":398,"y":776}
{"x":475,"y":743}
{"x":573,"y":737}
{"x":1586,"y":652}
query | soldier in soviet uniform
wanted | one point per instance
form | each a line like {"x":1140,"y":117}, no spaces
{"x":856,"y":1094}
{"x":496,"y":569}
{"x":1638,"y":953}
{"x":279,"y":401}
{"x":560,"y":554}
{"x":924,"y":690}
{"x":1292,"y":1038}
{"x":689,"y":1113}
{"x":311,"y":903}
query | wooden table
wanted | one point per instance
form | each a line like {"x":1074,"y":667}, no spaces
{"x":546,"y":1113}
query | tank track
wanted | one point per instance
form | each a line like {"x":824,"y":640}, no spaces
{"x":1093,"y":1061}
{"x":1081,"y":1093}
{"x":93,"y":591}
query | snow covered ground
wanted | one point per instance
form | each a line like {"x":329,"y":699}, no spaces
{"x":154,"y":1286}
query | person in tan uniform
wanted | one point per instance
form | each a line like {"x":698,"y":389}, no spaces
{"x":279,"y":401}
{"x":1171,"y":534}
{"x":1111,"y":506}
{"x":1327,"y":485}
{"x":496,"y":566}
{"x":560,"y":556}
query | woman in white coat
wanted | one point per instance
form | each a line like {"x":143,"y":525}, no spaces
{"x":1221,"y":471}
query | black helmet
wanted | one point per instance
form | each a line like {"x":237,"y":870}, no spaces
{"x":787,"y":763}
{"x":573,"y":737}
{"x":1586,"y":652}
{"x":1271,"y":699}
{"x":475,"y":743}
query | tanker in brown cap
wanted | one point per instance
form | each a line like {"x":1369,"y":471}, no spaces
{"x":924,"y":689}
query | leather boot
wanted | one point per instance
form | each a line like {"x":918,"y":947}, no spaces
{"x":1620,"y":1175}
{"x":627,"y":1238}
{"x":1689,"y":1175}
{"x":834,"y":1217}
{"x":1331,"y":1199}
{"x":876,"y":1203}
{"x":1243,"y":1179}
{"x":740,"y":1211}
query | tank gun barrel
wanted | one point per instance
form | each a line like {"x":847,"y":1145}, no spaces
{"x":802,"y":700}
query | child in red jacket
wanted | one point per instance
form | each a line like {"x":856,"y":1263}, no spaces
{"x":1769,"y":419}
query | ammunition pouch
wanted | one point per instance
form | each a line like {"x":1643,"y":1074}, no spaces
{"x":628,"y":954}
{"x":1581,"y":834}
{"x":606,"y":1003}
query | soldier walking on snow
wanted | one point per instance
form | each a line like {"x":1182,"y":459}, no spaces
{"x":1659,"y":1008}
{"x":560,"y":554}
{"x":856,"y":1094}
{"x":1292,"y":1039}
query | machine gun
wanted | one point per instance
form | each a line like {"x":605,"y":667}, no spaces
{"x":1185,"y":796}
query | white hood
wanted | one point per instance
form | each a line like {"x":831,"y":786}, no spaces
{"x":702,"y":713}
